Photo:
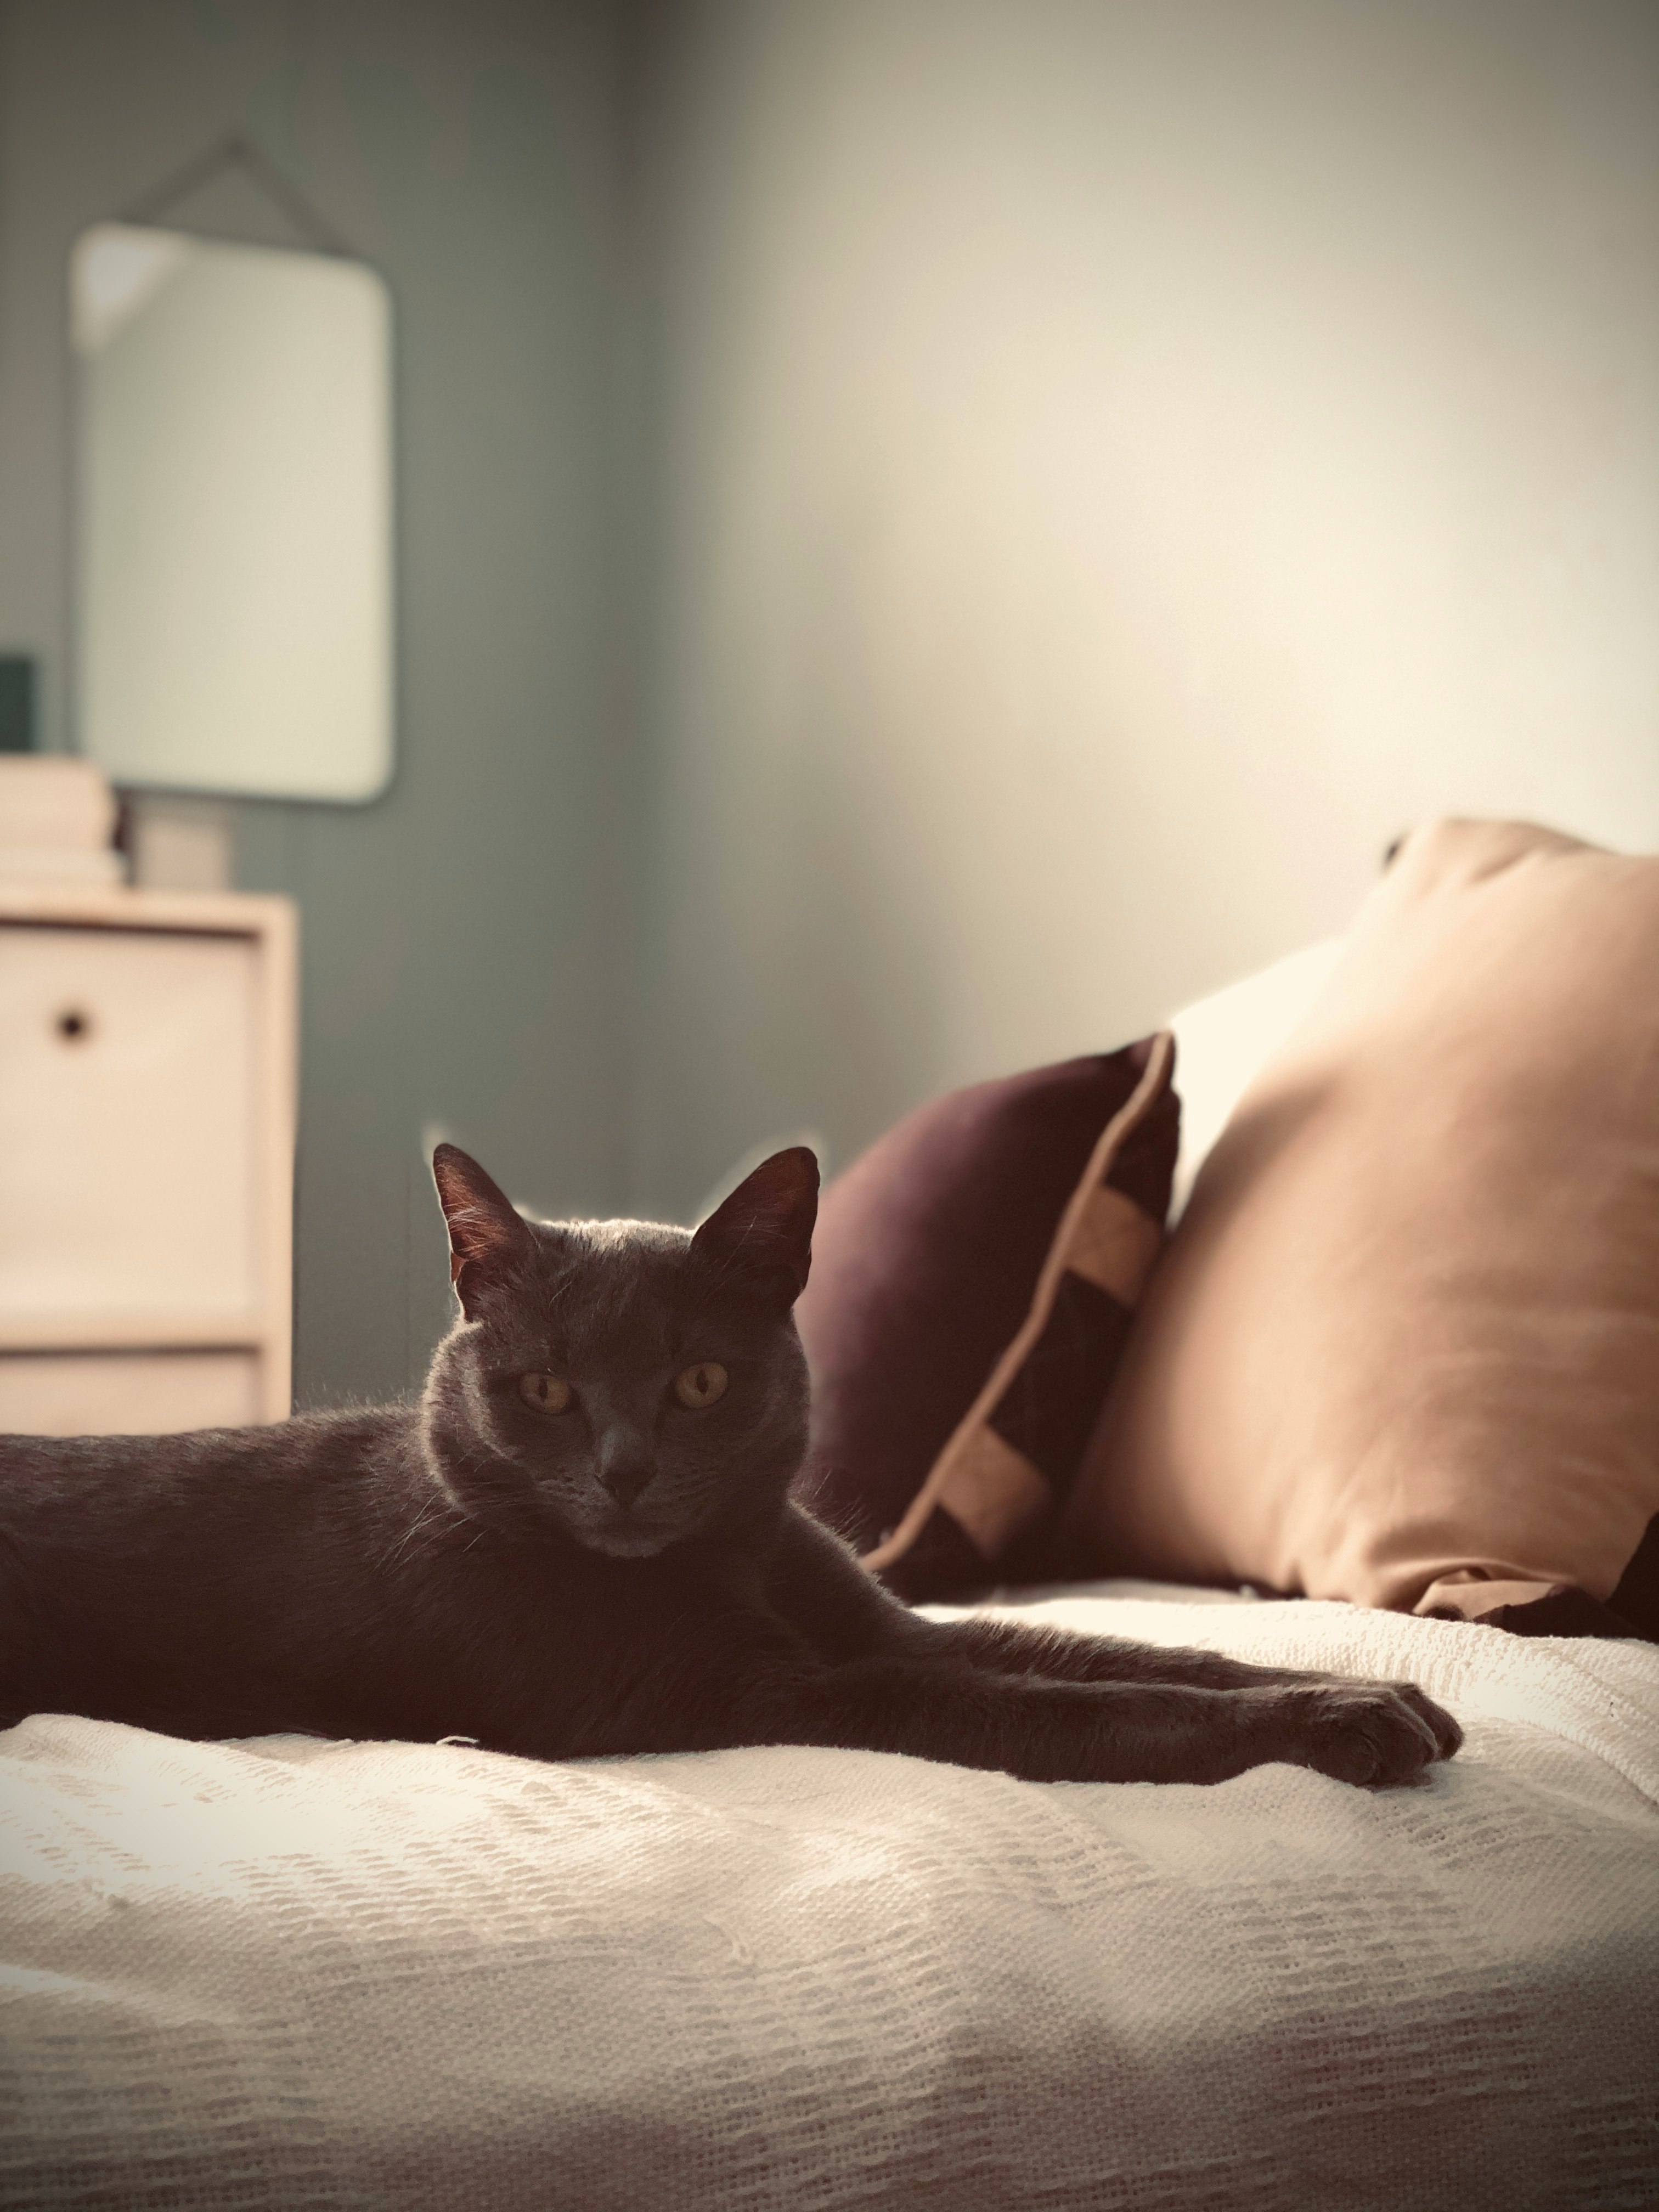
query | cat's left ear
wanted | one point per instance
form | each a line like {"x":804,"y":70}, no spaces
{"x":763,"y":1233}
{"x":487,"y":1233}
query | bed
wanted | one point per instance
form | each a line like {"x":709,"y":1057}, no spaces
{"x":286,"y":1972}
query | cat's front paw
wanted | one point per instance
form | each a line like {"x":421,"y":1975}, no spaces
{"x":1448,"y":1737}
{"x":1370,"y":1734}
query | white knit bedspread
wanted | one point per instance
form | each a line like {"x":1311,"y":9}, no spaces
{"x":291,"y":1973}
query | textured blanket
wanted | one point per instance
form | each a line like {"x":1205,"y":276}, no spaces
{"x":293,"y":1974}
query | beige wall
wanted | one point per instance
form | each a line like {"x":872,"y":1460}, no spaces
{"x":1120,"y":464}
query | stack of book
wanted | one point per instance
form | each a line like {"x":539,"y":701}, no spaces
{"x":57,"y":820}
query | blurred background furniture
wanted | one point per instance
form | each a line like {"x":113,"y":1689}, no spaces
{"x":147,"y":1131}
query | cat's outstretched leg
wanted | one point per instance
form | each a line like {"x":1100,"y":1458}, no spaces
{"x":818,"y":1586}
{"x":1060,"y":1655}
{"x":761,"y":1685}
{"x":1358,"y":1732}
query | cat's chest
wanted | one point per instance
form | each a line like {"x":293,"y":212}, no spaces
{"x":487,"y":1594}
{"x":528,"y":1653}
{"x":580,"y":1611}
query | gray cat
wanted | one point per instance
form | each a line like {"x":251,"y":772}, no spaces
{"x":580,"y":1540}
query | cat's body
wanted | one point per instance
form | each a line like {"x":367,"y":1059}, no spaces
{"x":579,"y":1542}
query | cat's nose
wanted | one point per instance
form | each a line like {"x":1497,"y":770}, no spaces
{"x":625,"y":1479}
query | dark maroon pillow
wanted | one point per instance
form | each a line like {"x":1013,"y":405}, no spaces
{"x":974,"y":1276}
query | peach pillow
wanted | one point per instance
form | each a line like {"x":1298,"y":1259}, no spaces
{"x":1403,"y":1348}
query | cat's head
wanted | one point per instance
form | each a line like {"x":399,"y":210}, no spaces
{"x":628,"y":1383}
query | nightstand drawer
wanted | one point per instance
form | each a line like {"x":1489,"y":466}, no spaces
{"x":71,"y":1393}
{"x":130,"y":1124}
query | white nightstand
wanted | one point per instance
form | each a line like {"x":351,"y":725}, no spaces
{"x":147,"y":1049}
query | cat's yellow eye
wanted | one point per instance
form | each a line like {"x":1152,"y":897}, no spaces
{"x":546,"y":1393}
{"x":701,"y":1385}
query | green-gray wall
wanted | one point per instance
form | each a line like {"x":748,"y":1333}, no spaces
{"x":466,"y":939}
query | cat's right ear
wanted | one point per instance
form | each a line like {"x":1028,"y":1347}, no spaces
{"x":761,"y":1235}
{"x":487,"y":1233}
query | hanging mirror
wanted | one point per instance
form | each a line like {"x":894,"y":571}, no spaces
{"x":233,"y":455}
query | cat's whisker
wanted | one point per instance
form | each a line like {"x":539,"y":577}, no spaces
{"x":423,"y":1520}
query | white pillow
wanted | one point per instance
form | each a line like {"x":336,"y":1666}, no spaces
{"x":1221,"y":1040}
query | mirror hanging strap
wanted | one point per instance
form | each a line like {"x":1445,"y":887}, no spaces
{"x":236,"y":152}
